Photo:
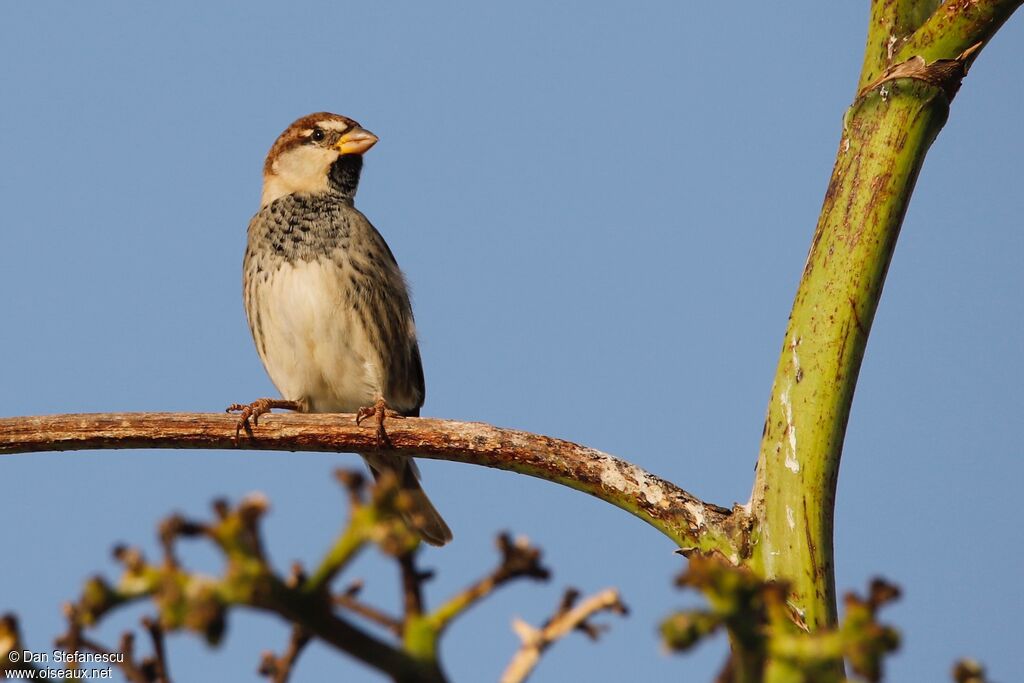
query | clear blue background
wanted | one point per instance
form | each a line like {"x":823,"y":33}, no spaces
{"x":603,"y":209}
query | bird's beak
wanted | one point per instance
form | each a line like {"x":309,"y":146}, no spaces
{"x":356,"y":141}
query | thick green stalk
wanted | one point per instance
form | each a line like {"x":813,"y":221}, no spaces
{"x":890,"y":23}
{"x":953,"y":28}
{"x":930,"y":29}
{"x":917,"y":53}
{"x":886,"y":135}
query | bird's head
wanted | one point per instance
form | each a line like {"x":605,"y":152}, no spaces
{"x":318,"y":153}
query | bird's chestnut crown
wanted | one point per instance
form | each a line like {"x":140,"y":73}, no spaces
{"x":301,"y":158}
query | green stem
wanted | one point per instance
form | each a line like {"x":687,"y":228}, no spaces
{"x":891,"y":22}
{"x":453,"y":607}
{"x":901,"y":29}
{"x":954,"y":28}
{"x":886,"y":135}
{"x":420,"y":639}
{"x":344,"y":550}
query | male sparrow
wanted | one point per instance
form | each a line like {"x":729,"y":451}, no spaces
{"x":326,"y":301}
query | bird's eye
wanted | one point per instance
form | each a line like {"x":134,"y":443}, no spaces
{"x":317,"y":135}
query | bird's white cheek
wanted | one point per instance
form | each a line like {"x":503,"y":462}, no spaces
{"x":303,"y":169}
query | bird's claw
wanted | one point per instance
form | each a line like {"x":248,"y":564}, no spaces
{"x":250,"y":412}
{"x":380,"y":411}
{"x":365,"y":412}
{"x":249,"y":417}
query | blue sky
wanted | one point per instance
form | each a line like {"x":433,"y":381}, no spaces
{"x":603,"y":209}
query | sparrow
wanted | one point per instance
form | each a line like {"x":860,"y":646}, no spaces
{"x":327,"y":304}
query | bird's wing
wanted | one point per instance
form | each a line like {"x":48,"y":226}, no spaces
{"x":417,"y":378}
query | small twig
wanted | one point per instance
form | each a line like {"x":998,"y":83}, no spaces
{"x":279,"y":669}
{"x":969,"y":671}
{"x":10,"y":641}
{"x":349,"y":600}
{"x":518,"y":560}
{"x":70,"y":640}
{"x":250,"y":511}
{"x":132,"y":671}
{"x":354,"y":483}
{"x":565,"y":620}
{"x":149,"y":670}
{"x":159,"y":661}
{"x":345,"y":549}
{"x":412,"y":583}
{"x":369,"y":519}
{"x":370,"y":613}
{"x":296,"y":577}
{"x":74,"y":641}
{"x":171,"y":528}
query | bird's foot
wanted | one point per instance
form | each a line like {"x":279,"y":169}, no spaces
{"x":250,"y":412}
{"x":380,"y":411}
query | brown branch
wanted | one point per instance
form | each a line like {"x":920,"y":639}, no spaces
{"x":279,"y":669}
{"x":413,"y":579}
{"x":565,"y":620}
{"x":156,"y":634}
{"x":148,"y":670}
{"x":11,"y":646}
{"x":683,"y":517}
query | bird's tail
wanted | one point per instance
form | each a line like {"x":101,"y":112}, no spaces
{"x":421,"y":516}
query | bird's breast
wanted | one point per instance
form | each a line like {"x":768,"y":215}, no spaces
{"x":328,"y":307}
{"x":311,"y":341}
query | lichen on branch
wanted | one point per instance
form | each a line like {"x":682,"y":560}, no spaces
{"x":687,"y":520}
